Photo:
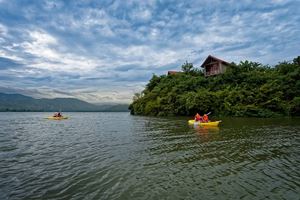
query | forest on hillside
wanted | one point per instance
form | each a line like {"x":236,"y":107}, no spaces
{"x":245,"y":89}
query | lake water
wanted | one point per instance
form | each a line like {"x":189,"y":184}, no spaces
{"x":119,"y":156}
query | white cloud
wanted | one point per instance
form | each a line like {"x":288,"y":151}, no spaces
{"x":141,"y":14}
{"x":45,"y":48}
{"x":121,"y":44}
{"x":146,"y":56}
{"x":52,"y":4}
{"x":11,"y":56}
{"x":3,"y":31}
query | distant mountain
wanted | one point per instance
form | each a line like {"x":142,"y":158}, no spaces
{"x":18,"y":102}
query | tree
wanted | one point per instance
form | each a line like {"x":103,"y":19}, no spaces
{"x":187,"y":67}
{"x":245,"y":89}
{"x":297,"y":61}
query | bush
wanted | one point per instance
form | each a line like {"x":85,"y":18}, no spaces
{"x":245,"y":89}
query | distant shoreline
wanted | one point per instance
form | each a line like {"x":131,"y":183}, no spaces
{"x":22,"y":103}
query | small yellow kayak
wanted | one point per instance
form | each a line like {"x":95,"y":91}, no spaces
{"x":215,"y":123}
{"x":57,"y":118}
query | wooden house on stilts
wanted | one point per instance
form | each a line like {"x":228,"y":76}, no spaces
{"x":214,"y":66}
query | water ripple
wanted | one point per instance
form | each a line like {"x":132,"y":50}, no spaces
{"x":118,"y":156}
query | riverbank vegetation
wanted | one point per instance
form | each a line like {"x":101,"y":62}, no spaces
{"x":245,"y":89}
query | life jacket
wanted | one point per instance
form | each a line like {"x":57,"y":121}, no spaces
{"x":205,"y":118}
{"x":198,"y":117}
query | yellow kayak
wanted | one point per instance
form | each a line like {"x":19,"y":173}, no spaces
{"x":57,"y":118}
{"x":215,"y":123}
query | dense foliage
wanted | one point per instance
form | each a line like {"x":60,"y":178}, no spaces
{"x":246,"y":89}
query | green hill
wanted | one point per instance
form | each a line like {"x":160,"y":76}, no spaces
{"x":245,"y":89}
{"x":18,"y":102}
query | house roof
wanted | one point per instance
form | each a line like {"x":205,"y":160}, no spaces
{"x":173,"y":72}
{"x":210,"y":58}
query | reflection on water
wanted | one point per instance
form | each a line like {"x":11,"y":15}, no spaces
{"x":206,"y":133}
{"x":203,"y":130}
{"x":118,"y":156}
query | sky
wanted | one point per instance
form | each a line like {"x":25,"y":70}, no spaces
{"x":105,"y":51}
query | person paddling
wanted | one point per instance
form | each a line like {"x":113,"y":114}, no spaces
{"x":198,"y":117}
{"x":58,"y":114}
{"x":205,"y":118}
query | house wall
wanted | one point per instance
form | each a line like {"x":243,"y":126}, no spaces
{"x":222,"y":68}
{"x":215,"y":69}
{"x":212,"y":69}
